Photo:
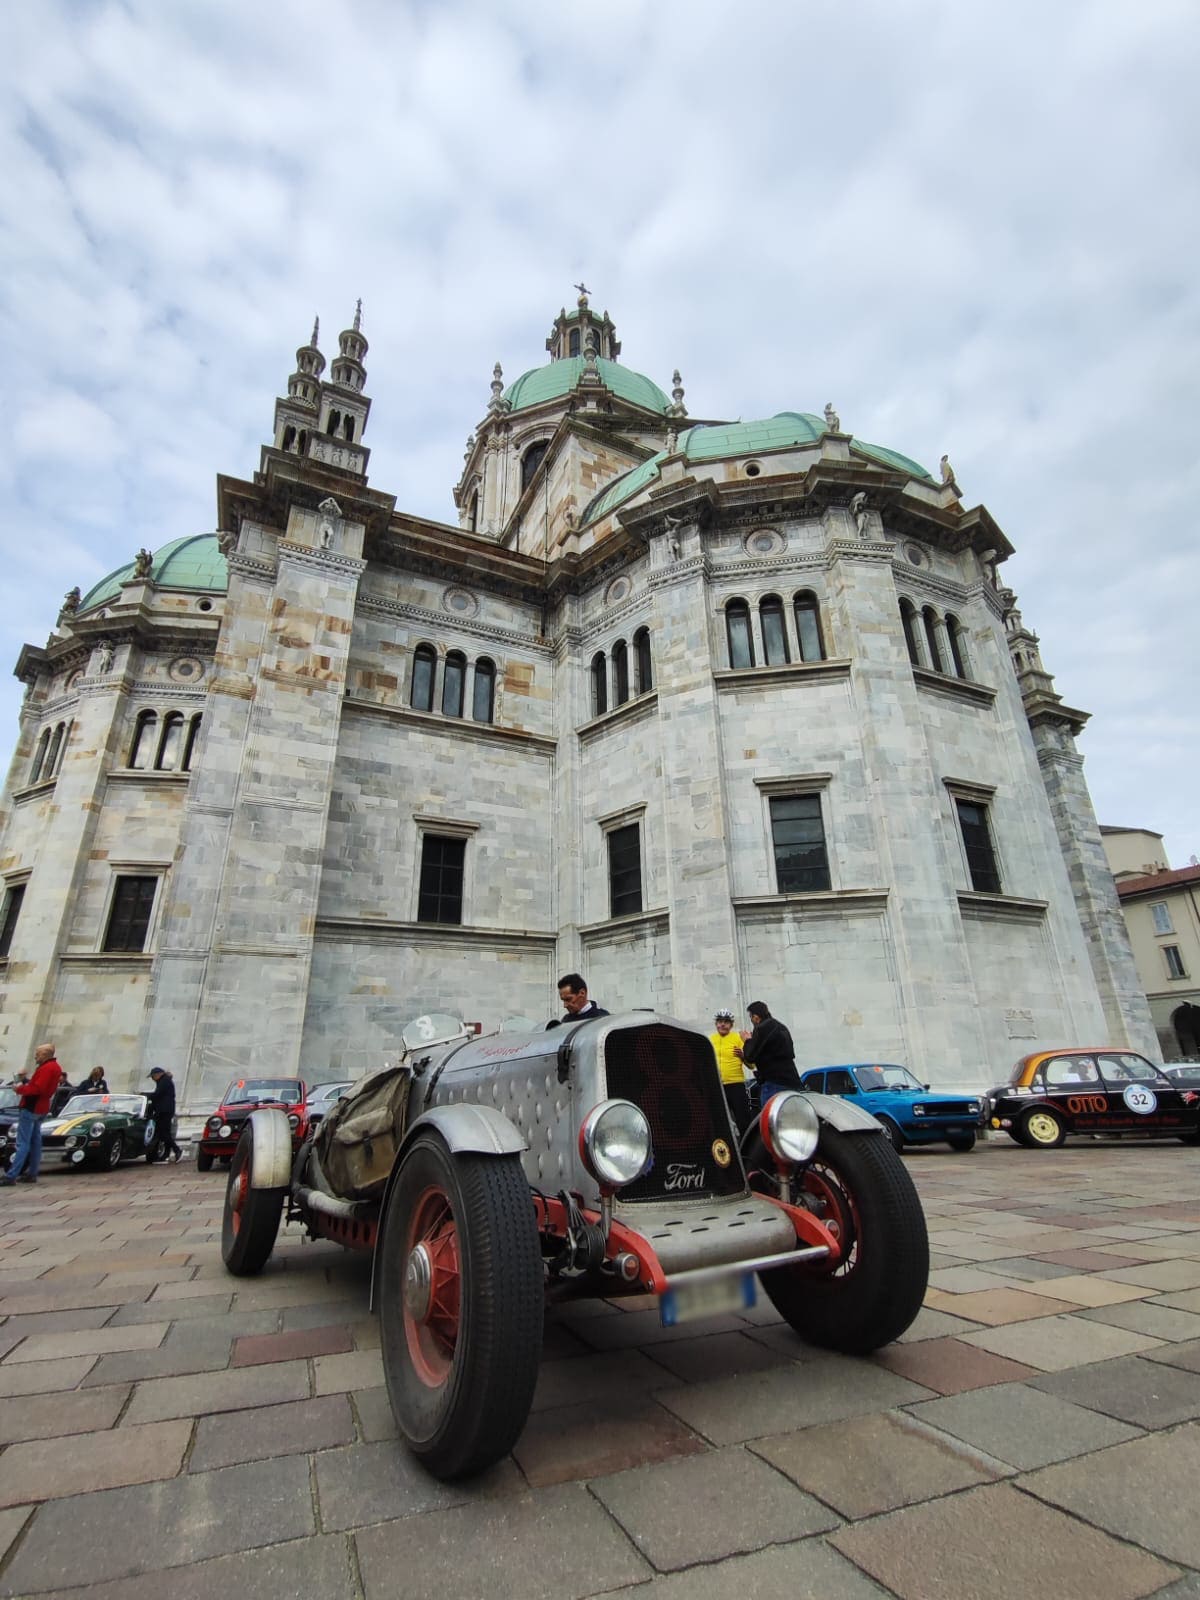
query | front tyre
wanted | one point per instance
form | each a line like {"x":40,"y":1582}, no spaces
{"x":859,"y":1188}
{"x":892,"y":1129}
{"x":251,"y":1219}
{"x":461,"y":1305}
{"x":204,"y":1161}
{"x":962,"y":1141}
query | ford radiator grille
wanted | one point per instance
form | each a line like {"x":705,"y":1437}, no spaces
{"x":673,"y":1077}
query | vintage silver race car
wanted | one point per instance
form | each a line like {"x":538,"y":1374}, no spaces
{"x":592,"y":1159}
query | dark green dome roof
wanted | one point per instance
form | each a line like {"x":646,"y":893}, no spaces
{"x":195,"y":562}
{"x":558,"y":378}
{"x":717,"y":441}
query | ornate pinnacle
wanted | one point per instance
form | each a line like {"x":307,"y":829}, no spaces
{"x":357,"y":315}
{"x":470,"y":447}
{"x":678,"y":409}
{"x":316,"y":333}
{"x":497,"y":402}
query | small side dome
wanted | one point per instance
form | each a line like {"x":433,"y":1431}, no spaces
{"x":783,"y":431}
{"x":193,"y":563}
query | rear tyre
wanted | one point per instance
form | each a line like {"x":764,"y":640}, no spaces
{"x":1041,"y":1129}
{"x":962,"y":1141}
{"x":859,"y":1187}
{"x":461,"y":1305}
{"x":251,"y":1220}
{"x":895,"y":1137}
{"x":204,"y":1161}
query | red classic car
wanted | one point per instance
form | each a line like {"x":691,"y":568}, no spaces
{"x":244,"y":1095}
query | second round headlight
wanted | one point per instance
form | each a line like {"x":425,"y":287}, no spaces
{"x":793,"y":1127}
{"x":615,"y":1142}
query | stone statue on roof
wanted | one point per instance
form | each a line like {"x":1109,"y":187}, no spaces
{"x":947,"y":472}
{"x":832,"y":421}
{"x":71,"y":600}
{"x":858,"y":510}
{"x":143,"y":563}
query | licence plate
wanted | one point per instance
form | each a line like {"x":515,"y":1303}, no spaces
{"x":712,"y":1297}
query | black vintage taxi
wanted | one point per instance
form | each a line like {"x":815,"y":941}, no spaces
{"x":1053,"y":1093}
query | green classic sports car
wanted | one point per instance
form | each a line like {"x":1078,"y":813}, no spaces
{"x":101,"y":1130}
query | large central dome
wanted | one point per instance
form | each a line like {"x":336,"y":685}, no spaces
{"x":560,"y":377}
{"x":194,"y":562}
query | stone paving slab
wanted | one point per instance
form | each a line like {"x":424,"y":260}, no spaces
{"x":706,"y":1507}
{"x":740,"y":1456}
{"x":993,"y":1543}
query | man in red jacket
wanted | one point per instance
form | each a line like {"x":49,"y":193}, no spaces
{"x":36,"y":1093}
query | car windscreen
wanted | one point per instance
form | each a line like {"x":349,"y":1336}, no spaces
{"x":885,"y":1077}
{"x":10,"y":1100}
{"x":248,"y":1091}
{"x":327,"y":1091}
{"x":126,"y":1105}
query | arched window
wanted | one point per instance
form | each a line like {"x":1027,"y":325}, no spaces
{"x":473,"y":513}
{"x":620,"y":664}
{"x":454,"y":679}
{"x":335,"y":418}
{"x":929,"y":617}
{"x":808,"y":626}
{"x":573,"y":342}
{"x":483,"y":699}
{"x":908,"y":616}
{"x":189,"y":748}
{"x":170,"y":743}
{"x":739,"y":635}
{"x":774,"y":631}
{"x":145,"y":737}
{"x":348,"y":427}
{"x":289,"y":437}
{"x":956,"y":634}
{"x":531,"y":461}
{"x":599,"y":685}
{"x":39,"y":760}
{"x":302,"y":442}
{"x":643,"y":661}
{"x":54,"y":759}
{"x":424,"y":665}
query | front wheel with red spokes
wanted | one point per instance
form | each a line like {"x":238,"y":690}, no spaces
{"x":860,"y":1189}
{"x":250,"y":1223}
{"x":460,"y":1305}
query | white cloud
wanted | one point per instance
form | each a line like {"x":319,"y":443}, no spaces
{"x":972,"y":228}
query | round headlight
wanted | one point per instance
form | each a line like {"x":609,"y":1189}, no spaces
{"x":96,"y":1129}
{"x":614,"y":1142}
{"x":293,"y":1120}
{"x":71,"y":1142}
{"x":214,"y":1123}
{"x":226,"y":1130}
{"x":790,"y":1127}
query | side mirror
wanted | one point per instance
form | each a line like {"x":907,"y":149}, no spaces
{"x":925,"y":1086}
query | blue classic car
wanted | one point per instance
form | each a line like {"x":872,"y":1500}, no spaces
{"x":910,"y":1113}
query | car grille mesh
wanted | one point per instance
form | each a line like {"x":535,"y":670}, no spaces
{"x":673,"y":1077}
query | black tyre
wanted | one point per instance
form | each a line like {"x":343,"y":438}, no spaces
{"x":895,"y":1137}
{"x":461,"y":1306}
{"x":962,"y":1141}
{"x":859,"y":1187}
{"x":1041,"y":1129}
{"x":251,"y":1220}
{"x":204,"y":1161}
{"x":225,"y":1161}
{"x":114,"y":1155}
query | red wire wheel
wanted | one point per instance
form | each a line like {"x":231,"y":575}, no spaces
{"x":860,"y":1189}
{"x":431,"y":1287}
{"x":459,"y":1279}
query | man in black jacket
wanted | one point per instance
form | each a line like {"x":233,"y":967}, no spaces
{"x":162,"y":1109}
{"x":769,"y":1052}
{"x":573,"y":992}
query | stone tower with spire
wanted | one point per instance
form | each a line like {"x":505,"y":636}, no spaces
{"x":324,"y":421}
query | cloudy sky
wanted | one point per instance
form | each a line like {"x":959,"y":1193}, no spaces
{"x":975,"y":228}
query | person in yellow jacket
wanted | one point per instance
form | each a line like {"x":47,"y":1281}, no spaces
{"x":728,"y":1048}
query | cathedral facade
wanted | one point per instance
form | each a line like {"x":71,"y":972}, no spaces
{"x":707,"y":711}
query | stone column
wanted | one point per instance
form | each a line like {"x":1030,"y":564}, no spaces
{"x":231,"y":978}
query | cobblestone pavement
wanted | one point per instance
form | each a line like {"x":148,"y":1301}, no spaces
{"x":168,"y":1430}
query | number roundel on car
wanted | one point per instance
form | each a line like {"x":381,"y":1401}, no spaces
{"x":148,"y":1135}
{"x":1140,"y":1099}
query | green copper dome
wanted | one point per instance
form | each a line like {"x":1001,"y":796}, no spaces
{"x":718,"y":441}
{"x":192,"y":563}
{"x":561,"y":377}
